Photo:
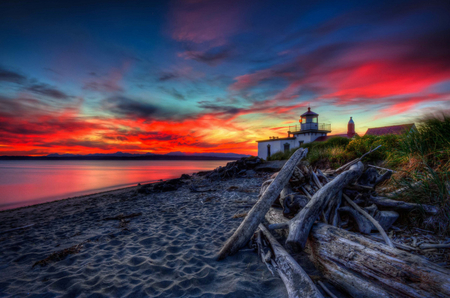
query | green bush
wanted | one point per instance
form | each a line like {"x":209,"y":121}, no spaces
{"x":361,"y":145}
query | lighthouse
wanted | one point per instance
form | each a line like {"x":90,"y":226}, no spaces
{"x":308,"y":130}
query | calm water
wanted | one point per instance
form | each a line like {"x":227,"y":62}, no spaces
{"x":25,"y":183}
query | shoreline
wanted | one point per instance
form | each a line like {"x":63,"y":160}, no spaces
{"x":12,"y":205}
{"x":93,"y":194}
{"x":166,"y":247}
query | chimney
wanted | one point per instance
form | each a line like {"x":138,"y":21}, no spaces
{"x":351,"y":128}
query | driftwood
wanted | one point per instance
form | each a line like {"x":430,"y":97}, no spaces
{"x":301,"y":224}
{"x":392,"y":272}
{"x":400,"y":205}
{"x":292,"y":204}
{"x":297,"y":282}
{"x":339,"y":276}
{"x":366,"y":268}
{"x":380,"y":168}
{"x":371,"y":219}
{"x":364,"y":225}
{"x":437,"y":246}
{"x":386,"y":176}
{"x":248,"y":226}
{"x":326,"y":289}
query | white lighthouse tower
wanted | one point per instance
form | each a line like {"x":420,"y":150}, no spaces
{"x":308,"y":130}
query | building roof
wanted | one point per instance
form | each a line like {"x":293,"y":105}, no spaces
{"x":394,"y":129}
{"x":324,"y":138}
{"x":309,"y":113}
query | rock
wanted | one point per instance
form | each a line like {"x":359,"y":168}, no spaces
{"x":185,"y":176}
{"x":250,"y":173}
{"x":386,"y":219}
{"x":144,"y":189}
{"x":270,"y":166}
{"x":213,"y":176}
{"x":203,"y":173}
{"x":242,"y":172}
{"x":169,"y":185}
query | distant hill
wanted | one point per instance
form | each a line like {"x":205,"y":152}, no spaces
{"x":131,"y":156}
{"x":214,"y":154}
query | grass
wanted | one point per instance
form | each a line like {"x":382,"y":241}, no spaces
{"x":421,"y":159}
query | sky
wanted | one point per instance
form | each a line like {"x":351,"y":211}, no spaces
{"x":212,"y":76}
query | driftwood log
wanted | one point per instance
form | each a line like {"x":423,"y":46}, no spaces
{"x":301,"y":224}
{"x":400,"y":205}
{"x":298,"y":283}
{"x":366,"y":268}
{"x":244,"y":232}
{"x":398,"y":273}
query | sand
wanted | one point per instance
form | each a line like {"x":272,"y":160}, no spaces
{"x":167,"y":251}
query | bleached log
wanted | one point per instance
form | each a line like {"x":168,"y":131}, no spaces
{"x":301,"y":224}
{"x":326,"y":289}
{"x":400,"y":205}
{"x":396,"y":272}
{"x":338,"y":275}
{"x":364,"y":225}
{"x":437,"y":246}
{"x":380,"y":168}
{"x":386,"y":176}
{"x":293,"y":203}
{"x":248,"y":226}
{"x":298,"y":283}
{"x":366,"y":268}
{"x":316,"y":179}
{"x":371,"y":219}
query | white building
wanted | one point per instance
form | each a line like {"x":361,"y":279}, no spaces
{"x":309,"y":130}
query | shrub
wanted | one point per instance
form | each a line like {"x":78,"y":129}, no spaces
{"x":429,"y":142}
{"x":361,"y":145}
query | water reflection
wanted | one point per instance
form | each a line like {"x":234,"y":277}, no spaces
{"x":30,"y":182}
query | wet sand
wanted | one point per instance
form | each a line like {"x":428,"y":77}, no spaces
{"x":167,"y":251}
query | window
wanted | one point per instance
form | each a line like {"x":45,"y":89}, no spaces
{"x":286,"y":147}
{"x":303,"y":120}
{"x":314,"y":120}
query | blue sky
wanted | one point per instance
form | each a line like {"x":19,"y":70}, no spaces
{"x":212,"y":76}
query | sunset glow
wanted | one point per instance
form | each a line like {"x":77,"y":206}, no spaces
{"x":212,"y":76}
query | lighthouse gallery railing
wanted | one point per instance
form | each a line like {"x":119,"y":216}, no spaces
{"x":310,"y":126}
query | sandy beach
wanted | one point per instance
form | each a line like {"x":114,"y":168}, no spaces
{"x":164,"y":245}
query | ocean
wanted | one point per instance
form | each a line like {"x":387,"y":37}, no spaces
{"x":30,"y":182}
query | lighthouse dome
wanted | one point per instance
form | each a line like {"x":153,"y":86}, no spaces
{"x":309,"y":113}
